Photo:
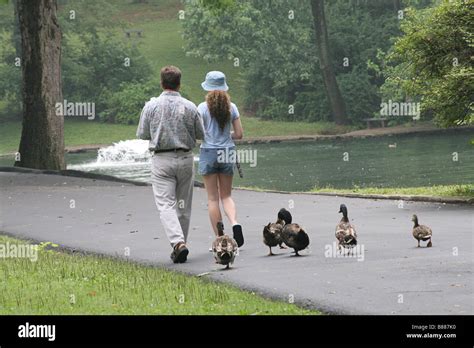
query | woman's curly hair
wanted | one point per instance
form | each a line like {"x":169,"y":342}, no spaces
{"x":219,"y":105}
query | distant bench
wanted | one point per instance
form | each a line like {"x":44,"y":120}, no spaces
{"x":129,"y":32}
{"x":380,"y":120}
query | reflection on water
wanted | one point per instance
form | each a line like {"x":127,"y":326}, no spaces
{"x":415,"y":161}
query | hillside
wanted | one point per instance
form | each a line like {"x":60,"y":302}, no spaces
{"x":162,"y":44}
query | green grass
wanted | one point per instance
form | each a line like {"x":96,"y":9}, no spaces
{"x":61,"y":283}
{"x":75,"y":133}
{"x":440,"y":190}
{"x":254,"y":127}
{"x":78,"y":132}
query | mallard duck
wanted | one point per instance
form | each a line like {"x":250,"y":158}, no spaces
{"x":285,"y":216}
{"x":224,"y":247}
{"x":421,"y":232}
{"x":272,"y":234}
{"x":345,"y":232}
{"x":292,"y":234}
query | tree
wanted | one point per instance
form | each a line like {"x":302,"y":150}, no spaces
{"x":433,"y":62}
{"x":42,"y":137}
{"x":336,"y":102}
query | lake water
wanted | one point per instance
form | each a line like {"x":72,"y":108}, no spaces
{"x":425,"y":160}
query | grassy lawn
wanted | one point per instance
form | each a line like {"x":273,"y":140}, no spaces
{"x":62,"y":283}
{"x":254,"y":127}
{"x":88,"y":133}
{"x":75,"y":133}
{"x":441,"y":191}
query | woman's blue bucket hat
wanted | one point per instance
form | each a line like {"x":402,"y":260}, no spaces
{"x":215,"y":81}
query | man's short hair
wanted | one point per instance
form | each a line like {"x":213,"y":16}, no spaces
{"x":170,"y":77}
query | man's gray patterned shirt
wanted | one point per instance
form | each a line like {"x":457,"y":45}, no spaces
{"x":170,"y":122}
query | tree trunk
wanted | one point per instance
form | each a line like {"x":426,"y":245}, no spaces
{"x":42,"y":137}
{"x":337,"y":105}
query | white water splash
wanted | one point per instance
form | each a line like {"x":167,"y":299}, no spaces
{"x":127,"y":159}
{"x":125,"y":151}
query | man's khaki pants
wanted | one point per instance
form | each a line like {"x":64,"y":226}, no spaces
{"x":172,"y":177}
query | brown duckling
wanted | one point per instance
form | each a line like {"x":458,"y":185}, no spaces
{"x":224,"y":247}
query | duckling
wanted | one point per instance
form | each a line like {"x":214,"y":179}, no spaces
{"x":224,"y":247}
{"x":292,"y":234}
{"x":421,"y":232}
{"x":345,"y":232}
{"x":272,"y":235}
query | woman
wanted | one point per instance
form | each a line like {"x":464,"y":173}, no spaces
{"x":217,"y":158}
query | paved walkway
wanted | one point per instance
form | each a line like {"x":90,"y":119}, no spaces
{"x":109,"y":217}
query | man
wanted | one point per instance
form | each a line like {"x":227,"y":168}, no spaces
{"x":172,"y":124}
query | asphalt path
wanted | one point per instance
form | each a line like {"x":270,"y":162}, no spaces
{"x":389,"y":275}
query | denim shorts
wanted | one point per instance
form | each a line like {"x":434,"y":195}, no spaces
{"x":217,"y":161}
